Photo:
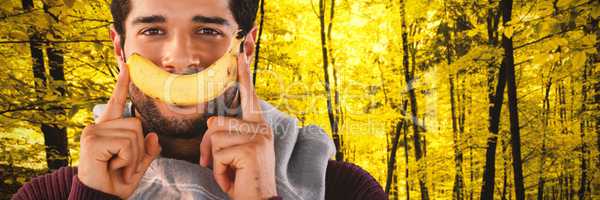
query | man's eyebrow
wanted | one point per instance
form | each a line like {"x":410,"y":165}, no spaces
{"x":210,"y":20}
{"x":149,"y":19}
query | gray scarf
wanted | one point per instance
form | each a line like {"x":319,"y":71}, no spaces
{"x":301,"y":161}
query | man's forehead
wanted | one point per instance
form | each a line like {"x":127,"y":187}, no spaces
{"x":189,"y":10}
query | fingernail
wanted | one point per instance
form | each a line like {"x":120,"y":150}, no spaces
{"x":203,"y":162}
{"x":151,"y":133}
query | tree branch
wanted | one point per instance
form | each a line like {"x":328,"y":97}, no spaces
{"x":546,"y":37}
{"x":54,"y":41}
{"x":17,"y":14}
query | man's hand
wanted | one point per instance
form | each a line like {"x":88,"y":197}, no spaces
{"x":114,"y":154}
{"x":241,"y":150}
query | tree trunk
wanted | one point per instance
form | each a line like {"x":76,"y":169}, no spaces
{"x":392,"y":158}
{"x":395,"y":140}
{"x":487,"y":189}
{"x":504,"y":169}
{"x":257,"y":48}
{"x":562,"y":183}
{"x":591,"y":28}
{"x":562,"y":108}
{"x":395,"y":192}
{"x":471,"y":171}
{"x":582,"y":126}
{"x":571,"y":186}
{"x":407,"y":182}
{"x":546,"y":111}
{"x":422,"y":175}
{"x":339,"y":115}
{"x":507,"y":44}
{"x":458,"y":182}
{"x":596,"y":59}
{"x":55,"y":135}
{"x":462,"y":102}
{"x":334,"y":128}
{"x":467,"y":102}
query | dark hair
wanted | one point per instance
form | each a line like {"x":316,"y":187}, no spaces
{"x":244,"y":13}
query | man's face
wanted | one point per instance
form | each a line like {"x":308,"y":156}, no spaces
{"x":182,"y":37}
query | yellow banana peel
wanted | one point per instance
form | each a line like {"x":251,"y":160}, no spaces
{"x":189,"y":89}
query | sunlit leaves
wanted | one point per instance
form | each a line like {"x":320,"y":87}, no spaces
{"x":552,"y":46}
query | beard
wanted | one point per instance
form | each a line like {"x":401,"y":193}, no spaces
{"x":180,"y":135}
{"x":179,"y":126}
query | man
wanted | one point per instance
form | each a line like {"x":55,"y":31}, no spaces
{"x":234,"y":146}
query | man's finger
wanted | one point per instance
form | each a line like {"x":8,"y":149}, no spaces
{"x":118,"y":153}
{"x":116,"y":103}
{"x":230,"y":132}
{"x":221,"y":123}
{"x":224,"y":166}
{"x":152,"y":151}
{"x":205,"y":150}
{"x":251,"y":110}
{"x":216,"y":140}
{"x":130,"y":125}
{"x":134,"y":148}
{"x":152,"y":148}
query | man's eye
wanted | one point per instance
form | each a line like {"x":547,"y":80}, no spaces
{"x":152,"y":31}
{"x":208,"y":31}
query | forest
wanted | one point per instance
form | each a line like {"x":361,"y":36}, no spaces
{"x":436,"y":99}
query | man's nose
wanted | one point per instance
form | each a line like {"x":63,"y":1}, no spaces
{"x":179,"y":58}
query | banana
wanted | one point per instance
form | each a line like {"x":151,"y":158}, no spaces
{"x":185,"y":90}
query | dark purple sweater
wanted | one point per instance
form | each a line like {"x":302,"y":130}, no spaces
{"x":342,"y":181}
